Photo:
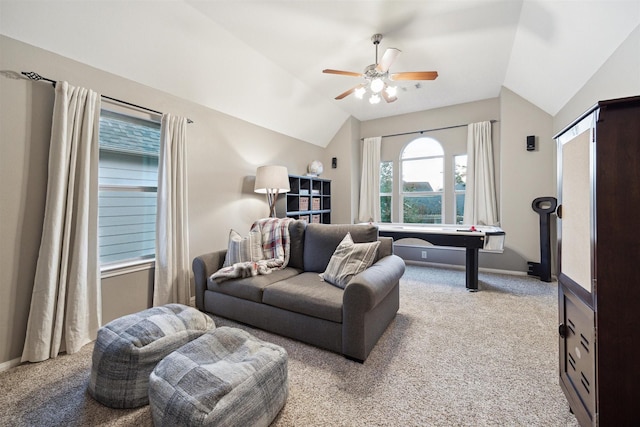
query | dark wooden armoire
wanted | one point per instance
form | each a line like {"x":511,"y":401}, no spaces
{"x":599,"y":263}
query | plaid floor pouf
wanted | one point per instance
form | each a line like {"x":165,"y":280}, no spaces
{"x":128,"y":348}
{"x":227,"y":377}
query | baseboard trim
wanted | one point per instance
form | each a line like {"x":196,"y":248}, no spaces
{"x":5,"y":366}
{"x":462,"y":267}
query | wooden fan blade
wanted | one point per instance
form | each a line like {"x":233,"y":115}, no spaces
{"x":389,"y":56}
{"x":342,"y":73}
{"x":414,"y":75}
{"x":348,"y":92}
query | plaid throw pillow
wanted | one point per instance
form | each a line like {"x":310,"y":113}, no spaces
{"x":243,"y":249}
{"x":348,"y":260}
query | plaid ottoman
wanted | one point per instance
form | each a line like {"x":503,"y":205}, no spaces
{"x":128,"y":348}
{"x":226,"y":377}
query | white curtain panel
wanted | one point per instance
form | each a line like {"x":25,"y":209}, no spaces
{"x":172,"y":272}
{"x":480,"y":204}
{"x":370,"y":183}
{"x":66,"y":306}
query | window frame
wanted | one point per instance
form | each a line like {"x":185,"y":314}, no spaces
{"x":130,"y":265}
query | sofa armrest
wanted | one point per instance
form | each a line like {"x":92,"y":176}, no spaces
{"x":367,"y":289}
{"x":370,"y":302}
{"x":204,"y":266}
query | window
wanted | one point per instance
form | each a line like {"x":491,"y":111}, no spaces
{"x":422,"y":168}
{"x":459,"y":185}
{"x":128,"y":180}
{"x":386,"y":190}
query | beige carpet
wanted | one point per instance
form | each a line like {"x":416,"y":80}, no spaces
{"x":451,"y":358}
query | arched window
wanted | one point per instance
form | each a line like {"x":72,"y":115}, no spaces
{"x":422,"y":172}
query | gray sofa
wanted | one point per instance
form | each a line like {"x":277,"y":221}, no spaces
{"x":296,"y":303}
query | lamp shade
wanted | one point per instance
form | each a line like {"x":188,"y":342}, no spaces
{"x":275,"y":178}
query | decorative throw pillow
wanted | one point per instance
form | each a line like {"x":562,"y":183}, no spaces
{"x":243,"y":249}
{"x":348,"y":260}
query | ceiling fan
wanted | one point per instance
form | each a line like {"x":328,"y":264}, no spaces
{"x":376,"y":76}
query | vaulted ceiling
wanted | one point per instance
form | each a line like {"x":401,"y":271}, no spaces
{"x":261,"y":60}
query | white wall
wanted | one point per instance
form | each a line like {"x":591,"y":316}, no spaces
{"x":191,"y":57}
{"x":526,"y":175}
{"x":619,"y":77}
{"x":345,"y":147}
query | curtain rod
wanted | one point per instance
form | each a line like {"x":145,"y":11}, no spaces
{"x":37,"y":77}
{"x":426,"y":130}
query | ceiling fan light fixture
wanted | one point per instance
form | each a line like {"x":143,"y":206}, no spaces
{"x":377,"y":77}
{"x":377,"y":85}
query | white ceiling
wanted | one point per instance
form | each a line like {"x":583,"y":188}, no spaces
{"x":261,"y":60}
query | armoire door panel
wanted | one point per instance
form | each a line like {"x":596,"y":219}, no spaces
{"x":576,"y":209}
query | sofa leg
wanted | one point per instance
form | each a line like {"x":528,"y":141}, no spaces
{"x":353,"y":359}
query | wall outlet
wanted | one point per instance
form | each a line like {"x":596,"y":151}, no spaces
{"x":424,"y":254}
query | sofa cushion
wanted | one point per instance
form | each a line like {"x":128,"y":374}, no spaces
{"x":250,"y":288}
{"x":296,"y":244}
{"x":385,"y":248}
{"x":348,"y":260}
{"x":243,"y":249}
{"x":321,"y":240}
{"x":306,"y":294}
